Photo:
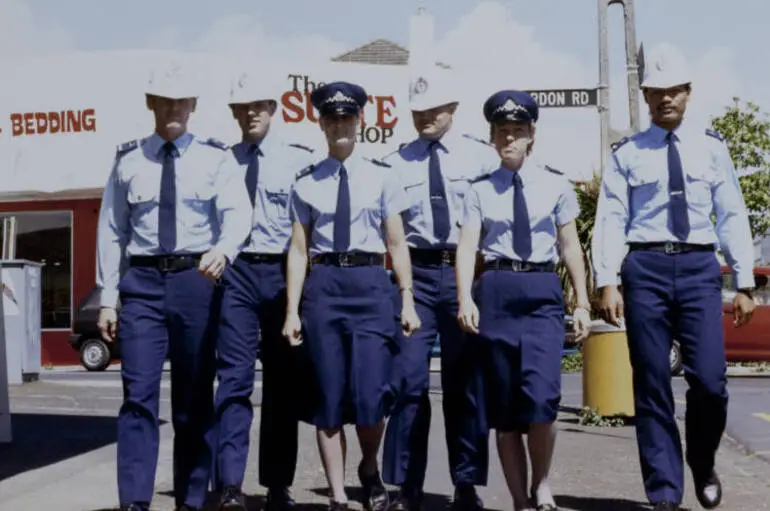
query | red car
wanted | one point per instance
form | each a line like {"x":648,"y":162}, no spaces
{"x":749,"y":343}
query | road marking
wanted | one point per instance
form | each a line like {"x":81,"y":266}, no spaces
{"x":765,"y":416}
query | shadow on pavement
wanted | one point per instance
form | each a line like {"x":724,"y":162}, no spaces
{"x":598,"y":504}
{"x":40,"y":440}
{"x":430,"y":501}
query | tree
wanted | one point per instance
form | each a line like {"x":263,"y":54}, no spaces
{"x":746,"y":131}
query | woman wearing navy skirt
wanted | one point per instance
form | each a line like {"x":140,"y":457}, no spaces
{"x":346,"y":214}
{"x":519,"y":217}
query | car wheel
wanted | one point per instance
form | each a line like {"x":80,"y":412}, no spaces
{"x":675,"y":359}
{"x":95,"y":355}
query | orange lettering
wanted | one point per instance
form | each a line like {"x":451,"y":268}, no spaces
{"x":309,"y":109}
{"x":42,"y":122}
{"x":54,"y":122}
{"x":383,"y":110}
{"x":16,"y":127}
{"x":29,"y":127}
{"x":292,"y":104}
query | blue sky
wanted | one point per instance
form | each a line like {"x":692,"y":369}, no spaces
{"x":549,"y":43}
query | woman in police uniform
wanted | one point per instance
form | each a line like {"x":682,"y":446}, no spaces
{"x":516,"y":216}
{"x":347,"y":307}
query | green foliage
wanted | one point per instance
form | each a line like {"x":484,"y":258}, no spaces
{"x":572,"y":363}
{"x":591,"y":417}
{"x":747,"y":134}
{"x":588,"y":196}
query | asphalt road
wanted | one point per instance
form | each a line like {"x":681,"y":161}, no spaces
{"x":748,"y":423}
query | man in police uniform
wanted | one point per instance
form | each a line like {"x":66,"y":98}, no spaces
{"x":658,"y":194}
{"x":172,"y":214}
{"x":435,"y":170}
{"x":254,"y":303}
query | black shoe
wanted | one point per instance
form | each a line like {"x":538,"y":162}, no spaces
{"x":466,"y":499}
{"x":279,"y":499}
{"x":337,"y":506}
{"x":232,"y":499}
{"x":407,"y":500}
{"x":709,"y":491}
{"x":187,"y":508}
{"x":375,"y":495}
{"x":666,"y":506}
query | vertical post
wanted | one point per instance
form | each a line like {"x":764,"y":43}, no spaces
{"x":604,"y":84}
{"x":5,"y":405}
{"x":632,"y":66}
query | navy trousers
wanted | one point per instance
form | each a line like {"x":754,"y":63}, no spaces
{"x":521,"y":327}
{"x":349,"y":328}
{"x":405,"y":451}
{"x":163,"y":315}
{"x":671,"y":297}
{"x":254,"y":308}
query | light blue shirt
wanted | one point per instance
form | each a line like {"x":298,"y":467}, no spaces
{"x":551,"y":203}
{"x":462,"y":158}
{"x":279,"y":164}
{"x":634,"y":205}
{"x":212,"y":207}
{"x":375,"y":195}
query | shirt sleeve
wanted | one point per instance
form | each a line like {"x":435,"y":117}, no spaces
{"x":612,"y":213}
{"x":472,"y":215}
{"x":393,"y":199}
{"x":732,"y":221}
{"x":299,"y":210}
{"x":567,"y":207}
{"x":113,"y":234}
{"x":233,"y":208}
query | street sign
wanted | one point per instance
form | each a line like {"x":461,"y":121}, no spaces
{"x":565,"y":98}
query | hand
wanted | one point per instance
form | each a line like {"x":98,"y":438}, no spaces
{"x":292,"y":329}
{"x":410,"y":321}
{"x":212,"y":265}
{"x":611,"y":306}
{"x":468,"y":316}
{"x":581,"y":324}
{"x":744,"y":309}
{"x":108,"y":323}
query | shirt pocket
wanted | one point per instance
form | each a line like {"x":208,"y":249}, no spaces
{"x":644,"y":188}
{"x":699,"y":184}
{"x":278,"y":201}
{"x":143,"y":196}
{"x":415,"y":192}
{"x":458,"y":188}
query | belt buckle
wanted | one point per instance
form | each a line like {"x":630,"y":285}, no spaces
{"x":164,"y":264}
{"x":446,"y":257}
{"x":671,"y":248}
{"x":344,"y":260}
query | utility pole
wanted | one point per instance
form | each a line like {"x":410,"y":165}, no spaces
{"x":604,"y":84}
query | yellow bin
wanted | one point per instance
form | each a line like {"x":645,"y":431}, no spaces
{"x":607,"y":378}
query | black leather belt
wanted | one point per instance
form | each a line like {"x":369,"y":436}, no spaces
{"x":671,"y":247}
{"x":344,"y":259}
{"x":167,"y":262}
{"x":253,"y":258}
{"x":432,"y":257}
{"x":519,"y":266}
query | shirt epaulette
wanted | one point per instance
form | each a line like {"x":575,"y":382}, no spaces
{"x":127,"y":147}
{"x":620,"y":143}
{"x":300,"y":146}
{"x":379,"y":163}
{"x":213,"y":142}
{"x":555,"y":171}
{"x":477,"y":139}
{"x":305,"y":172}
{"x":715,"y":134}
{"x":481,"y":177}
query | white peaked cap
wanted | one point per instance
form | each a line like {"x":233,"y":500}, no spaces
{"x":247,"y":87}
{"x":665,"y":67}
{"x":431,"y":87}
{"x":173,"y":81}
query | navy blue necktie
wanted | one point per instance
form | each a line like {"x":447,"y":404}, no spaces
{"x":167,"y":202}
{"x":252,"y":172}
{"x":522,"y":233}
{"x":342,"y":214}
{"x":680,"y":223}
{"x":438,"y":201}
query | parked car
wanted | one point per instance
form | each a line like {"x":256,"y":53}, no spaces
{"x":749,"y":343}
{"x":95,"y":353}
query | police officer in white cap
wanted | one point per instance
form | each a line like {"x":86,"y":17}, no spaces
{"x":173,"y":213}
{"x":435,"y":170}
{"x":657,"y":197}
{"x":254,"y":305}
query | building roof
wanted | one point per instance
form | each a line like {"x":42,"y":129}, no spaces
{"x":378,"y":51}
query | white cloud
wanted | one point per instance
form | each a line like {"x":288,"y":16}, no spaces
{"x":21,"y":33}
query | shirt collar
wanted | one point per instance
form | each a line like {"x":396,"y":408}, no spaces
{"x":182,"y":142}
{"x":659,"y":134}
{"x":244,"y":148}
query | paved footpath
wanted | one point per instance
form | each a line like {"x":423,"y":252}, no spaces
{"x":63,"y":458}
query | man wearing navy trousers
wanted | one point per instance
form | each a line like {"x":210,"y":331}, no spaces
{"x":254,"y":306}
{"x":171,"y":217}
{"x":658,"y":194}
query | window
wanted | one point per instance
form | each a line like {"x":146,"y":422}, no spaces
{"x":45,"y":237}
